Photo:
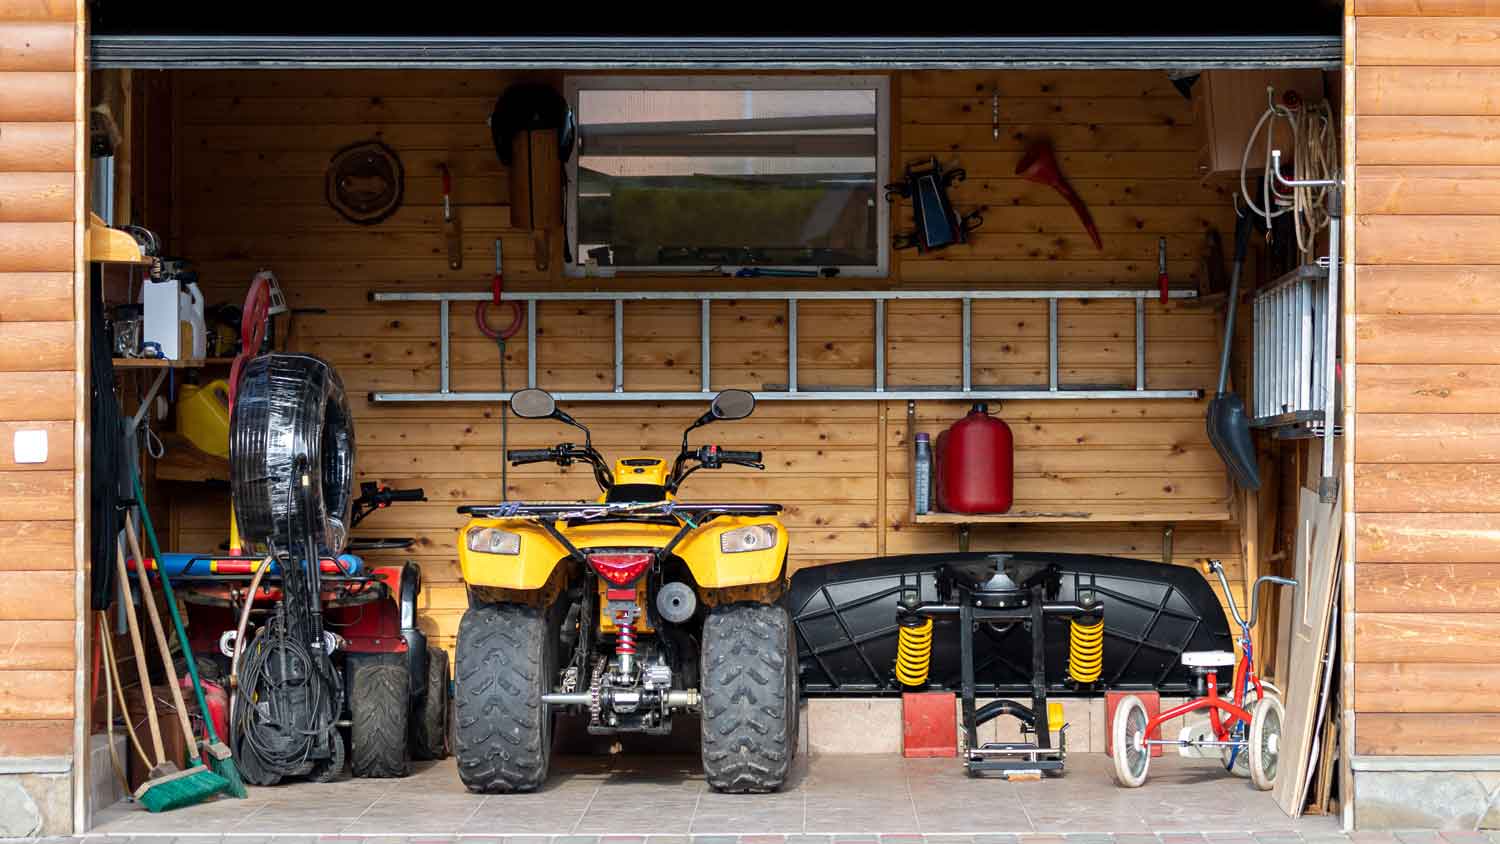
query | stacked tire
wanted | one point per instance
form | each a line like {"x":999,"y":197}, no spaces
{"x":288,"y":409}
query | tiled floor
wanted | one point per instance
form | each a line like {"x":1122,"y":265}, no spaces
{"x":666,"y":796}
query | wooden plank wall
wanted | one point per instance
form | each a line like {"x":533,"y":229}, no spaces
{"x":38,"y":200}
{"x":249,"y":193}
{"x":1427,"y":433}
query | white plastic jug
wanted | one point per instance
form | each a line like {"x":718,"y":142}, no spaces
{"x":191,"y":312}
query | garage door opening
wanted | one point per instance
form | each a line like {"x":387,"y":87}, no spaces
{"x":667,"y":238}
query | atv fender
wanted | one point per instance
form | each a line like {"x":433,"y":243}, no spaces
{"x":528,"y":570}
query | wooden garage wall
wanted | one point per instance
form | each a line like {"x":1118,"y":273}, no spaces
{"x":249,"y":193}
{"x":40,"y":110}
{"x":1427,"y":433}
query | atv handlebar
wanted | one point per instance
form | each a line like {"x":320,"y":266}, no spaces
{"x":739,"y":456}
{"x":520,"y":456}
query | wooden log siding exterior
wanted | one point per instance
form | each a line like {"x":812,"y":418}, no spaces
{"x":249,"y":193}
{"x":42,"y":387}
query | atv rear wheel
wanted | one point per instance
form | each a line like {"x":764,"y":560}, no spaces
{"x":429,"y":728}
{"x":379,"y":701}
{"x":749,"y":686}
{"x":506,"y":658}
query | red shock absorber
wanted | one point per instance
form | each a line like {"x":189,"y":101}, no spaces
{"x":625,"y":644}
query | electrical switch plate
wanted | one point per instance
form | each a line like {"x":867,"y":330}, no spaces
{"x":31,"y":446}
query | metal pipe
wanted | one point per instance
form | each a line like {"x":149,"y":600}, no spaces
{"x":705,"y":324}
{"x":443,"y":345}
{"x":879,"y":345}
{"x":1052,"y":344}
{"x":910,"y":394}
{"x":619,"y":345}
{"x":968,"y":335}
{"x":791,"y":345}
{"x":769,"y":295}
{"x":531,"y":350}
{"x":1140,"y":344}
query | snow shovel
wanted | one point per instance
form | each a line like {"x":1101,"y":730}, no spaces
{"x":1228,"y":424}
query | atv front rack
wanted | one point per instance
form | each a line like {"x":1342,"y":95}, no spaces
{"x":569,"y":511}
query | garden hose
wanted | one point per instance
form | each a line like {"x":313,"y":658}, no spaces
{"x":913,"y":651}
{"x":1085,"y":649}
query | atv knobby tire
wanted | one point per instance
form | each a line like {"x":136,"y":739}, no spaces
{"x":505,"y":657}
{"x":749,"y":686}
{"x":429,"y":726}
{"x":379,"y":699}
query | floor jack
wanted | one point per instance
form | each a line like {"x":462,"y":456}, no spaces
{"x":998,"y":592}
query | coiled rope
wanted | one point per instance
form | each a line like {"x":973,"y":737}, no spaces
{"x":1313,"y":137}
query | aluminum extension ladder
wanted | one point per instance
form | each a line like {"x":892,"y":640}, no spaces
{"x":792,"y":390}
{"x":1295,"y":378}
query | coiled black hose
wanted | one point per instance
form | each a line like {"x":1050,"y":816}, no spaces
{"x":290,"y":406}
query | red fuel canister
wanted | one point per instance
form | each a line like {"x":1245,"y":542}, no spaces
{"x":975,"y":465}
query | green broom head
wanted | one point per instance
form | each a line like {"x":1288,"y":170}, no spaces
{"x":218,"y":755}
{"x":185,"y":788}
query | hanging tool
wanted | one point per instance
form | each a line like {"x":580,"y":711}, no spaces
{"x":938,"y":223}
{"x":995,"y":114}
{"x":1228,"y":424}
{"x":452,"y":229}
{"x":1162,"y":282}
{"x":1039,"y":165}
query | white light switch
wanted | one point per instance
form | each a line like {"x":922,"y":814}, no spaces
{"x":31,"y":446}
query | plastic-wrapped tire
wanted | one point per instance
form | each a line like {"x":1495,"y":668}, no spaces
{"x":287,"y":407}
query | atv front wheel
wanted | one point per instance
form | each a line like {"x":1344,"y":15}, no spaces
{"x":749,"y":686}
{"x":379,"y":700}
{"x":506,"y":657}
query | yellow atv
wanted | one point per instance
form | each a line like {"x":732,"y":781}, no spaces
{"x":626,"y":610}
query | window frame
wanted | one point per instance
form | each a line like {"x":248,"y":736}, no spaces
{"x":879,"y":83}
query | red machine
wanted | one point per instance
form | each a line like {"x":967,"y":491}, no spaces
{"x":975,"y":465}
{"x":1247,"y":733}
{"x":374,"y":613}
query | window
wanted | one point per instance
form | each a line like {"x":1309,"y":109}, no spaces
{"x":758,"y":174}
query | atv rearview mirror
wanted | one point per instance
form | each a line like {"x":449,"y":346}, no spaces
{"x":732,"y":404}
{"x":533,"y":404}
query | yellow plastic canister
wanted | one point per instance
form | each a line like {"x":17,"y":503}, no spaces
{"x":203,"y":416}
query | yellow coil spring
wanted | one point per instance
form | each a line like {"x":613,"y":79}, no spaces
{"x":1085,"y":650}
{"x":914,"y":652}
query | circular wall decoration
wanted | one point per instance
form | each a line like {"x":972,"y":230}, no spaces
{"x":365,"y":182}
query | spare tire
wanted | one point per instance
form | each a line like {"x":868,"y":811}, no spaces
{"x":288,"y":407}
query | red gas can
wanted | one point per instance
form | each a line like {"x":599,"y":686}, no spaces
{"x":975,"y":465}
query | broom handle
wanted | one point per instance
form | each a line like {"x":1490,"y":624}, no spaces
{"x":116,"y":690}
{"x":166,"y":588}
{"x":140,"y":653}
{"x":161,"y":637}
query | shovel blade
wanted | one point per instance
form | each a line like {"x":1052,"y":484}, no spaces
{"x":1229,"y":431}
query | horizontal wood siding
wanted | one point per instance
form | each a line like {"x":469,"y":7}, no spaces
{"x":254,"y":146}
{"x":38,"y":358}
{"x":1427,"y":326}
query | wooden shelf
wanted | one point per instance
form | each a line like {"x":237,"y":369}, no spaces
{"x":1028,"y":517}
{"x":104,"y":245}
{"x":184,"y":462}
{"x":162,"y":363}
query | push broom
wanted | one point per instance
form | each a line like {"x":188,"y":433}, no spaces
{"x":197,"y":783}
{"x":216,"y":752}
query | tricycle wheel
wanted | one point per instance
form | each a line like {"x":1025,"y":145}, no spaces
{"x":1265,"y":741}
{"x":429,"y":728}
{"x":749,"y":679}
{"x":379,"y":701}
{"x":1132,"y":756}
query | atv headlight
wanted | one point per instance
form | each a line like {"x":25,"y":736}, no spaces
{"x":752,"y":538}
{"x":494,"y":541}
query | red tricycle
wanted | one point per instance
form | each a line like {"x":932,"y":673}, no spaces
{"x":1247,"y":733}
